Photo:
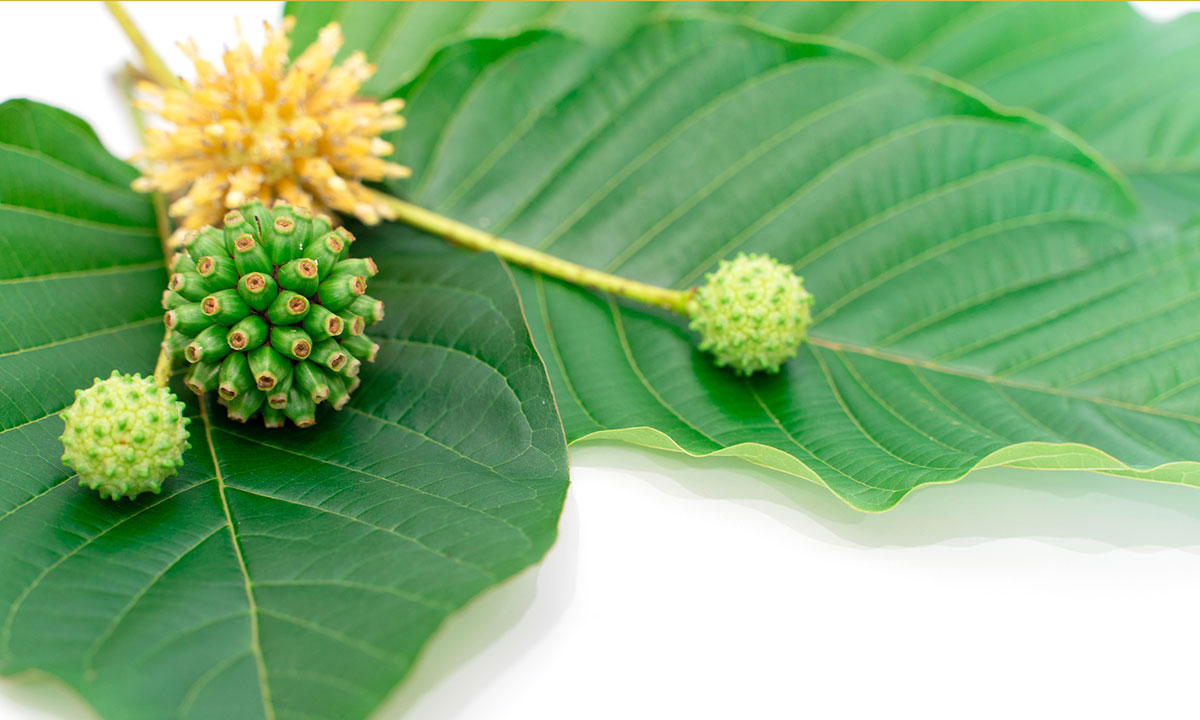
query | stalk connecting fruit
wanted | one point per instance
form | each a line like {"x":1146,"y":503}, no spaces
{"x":270,"y":312}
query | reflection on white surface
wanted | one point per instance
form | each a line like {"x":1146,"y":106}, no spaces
{"x":682,"y":588}
{"x":1165,"y":10}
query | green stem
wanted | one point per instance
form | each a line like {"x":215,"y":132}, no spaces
{"x":162,"y":367}
{"x":158,"y":71}
{"x":475,"y":239}
{"x":154,"y":65}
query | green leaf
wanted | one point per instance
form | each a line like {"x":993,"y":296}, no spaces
{"x":283,"y":574}
{"x":1120,"y":81}
{"x":1123,"y":83}
{"x":984,"y":293}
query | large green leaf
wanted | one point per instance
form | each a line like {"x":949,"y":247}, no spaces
{"x":984,"y":294}
{"x":283,"y":574}
{"x":1123,"y":83}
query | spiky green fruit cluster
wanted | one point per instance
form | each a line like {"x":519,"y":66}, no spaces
{"x":752,"y":313}
{"x":124,"y":436}
{"x":270,"y":312}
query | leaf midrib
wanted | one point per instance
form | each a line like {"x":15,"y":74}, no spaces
{"x":264,"y":684}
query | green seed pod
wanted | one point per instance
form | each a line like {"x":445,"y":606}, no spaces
{"x":356,"y":266}
{"x":361,"y":347}
{"x":338,"y":291}
{"x":321,"y":224}
{"x":277,"y":397}
{"x":338,"y":394}
{"x":282,"y":208}
{"x":211,"y":280}
{"x":311,"y":379}
{"x":370,"y":308}
{"x":328,"y":353}
{"x":258,"y":290}
{"x":325,"y":252}
{"x":267,"y":366}
{"x":181,"y":262}
{"x":321,"y":324}
{"x":259,"y":310}
{"x":288,"y":308}
{"x":352,"y":324}
{"x":187,"y":319}
{"x":249,"y":256}
{"x":218,"y":270}
{"x":208,"y":242}
{"x":172,"y":300}
{"x":260,"y":220}
{"x":291,"y":341}
{"x":347,"y":240}
{"x":235,"y":225}
{"x":243,"y":407}
{"x":235,"y":376}
{"x":189,"y":284}
{"x":202,"y":377}
{"x":752,"y":314}
{"x":124,"y":435}
{"x":248,"y":333}
{"x":225,"y":307}
{"x":174,"y":344}
{"x":284,"y":243}
{"x":299,"y":276}
{"x":208,"y":346}
{"x":184,"y":245}
{"x":303,"y":218}
{"x":301,"y":409}
{"x":272,"y":417}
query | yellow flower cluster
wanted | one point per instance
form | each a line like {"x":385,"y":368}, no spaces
{"x":269,"y":129}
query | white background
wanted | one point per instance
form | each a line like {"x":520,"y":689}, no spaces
{"x":703,"y":589}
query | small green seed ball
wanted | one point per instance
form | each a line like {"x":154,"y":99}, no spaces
{"x":752,"y":313}
{"x":124,"y":436}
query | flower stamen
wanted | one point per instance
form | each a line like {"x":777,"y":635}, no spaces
{"x":263,"y":127}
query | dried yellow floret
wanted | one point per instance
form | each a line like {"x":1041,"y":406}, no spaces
{"x":263,"y":127}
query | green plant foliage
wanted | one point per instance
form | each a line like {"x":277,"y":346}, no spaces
{"x":988,"y":290}
{"x":1120,"y":81}
{"x":984,"y":292}
{"x":283,"y":573}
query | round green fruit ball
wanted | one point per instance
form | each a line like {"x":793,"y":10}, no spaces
{"x":270,"y":312}
{"x":124,"y":436}
{"x":752,"y":314}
